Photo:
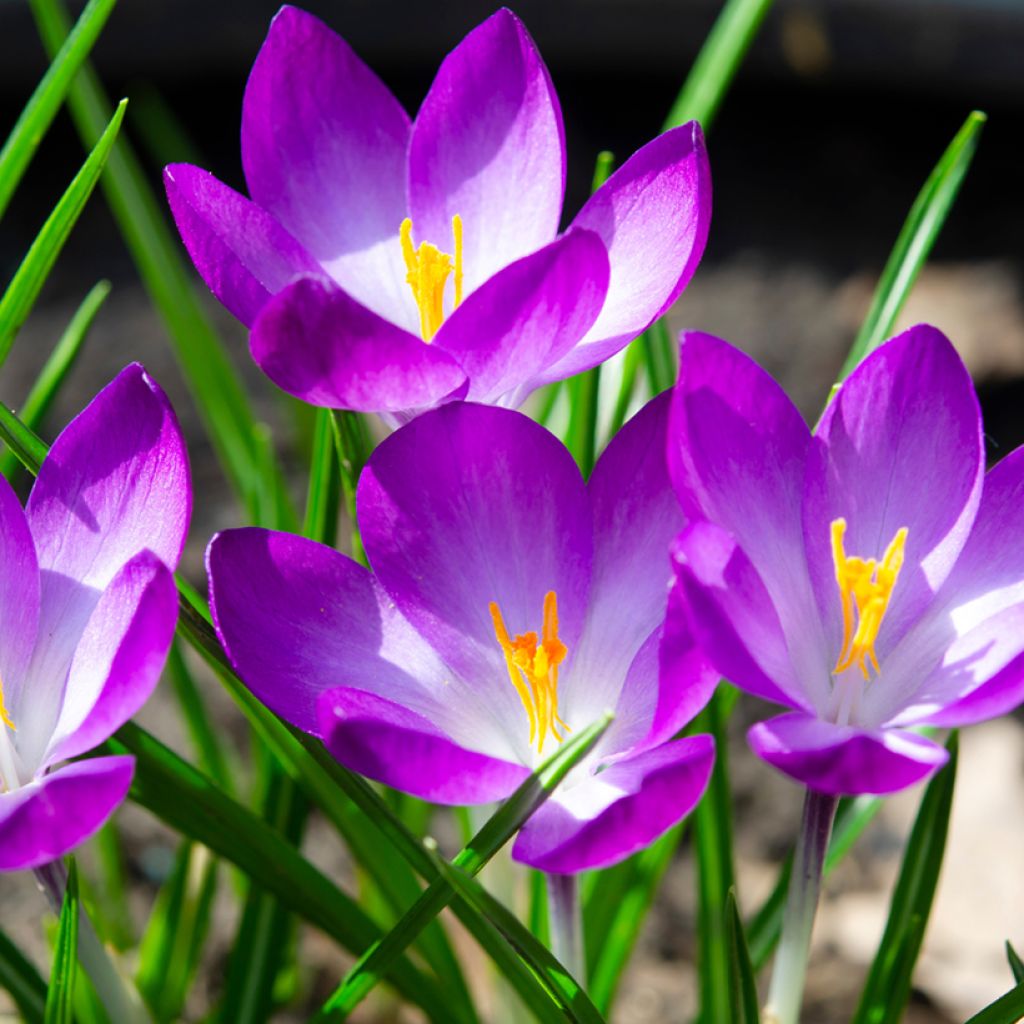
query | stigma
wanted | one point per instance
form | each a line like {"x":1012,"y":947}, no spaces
{"x":4,"y":716}
{"x":865,"y":587}
{"x":533,"y":670}
{"x":427,"y":270}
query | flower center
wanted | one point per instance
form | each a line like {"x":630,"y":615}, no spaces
{"x":427,"y":270}
{"x":8,"y":766}
{"x":865,"y":586}
{"x":533,"y":670}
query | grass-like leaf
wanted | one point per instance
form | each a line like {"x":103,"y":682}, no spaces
{"x":498,"y":829}
{"x":1015,"y":962}
{"x":22,"y":982}
{"x":61,"y":992}
{"x":37,"y":115}
{"x":741,"y":971}
{"x":888,"y":983}
{"x":21,"y":294}
{"x":1008,"y":1009}
{"x":916,"y":239}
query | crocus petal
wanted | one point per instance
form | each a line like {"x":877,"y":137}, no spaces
{"x":319,"y":344}
{"x":387,"y":742}
{"x":468,"y":505}
{"x":842,"y":759}
{"x":115,"y":483}
{"x":621,"y":809}
{"x":488,"y":144}
{"x":118,"y":661}
{"x":49,"y":817}
{"x":653,"y":215}
{"x":19,"y":598}
{"x":526,"y":316}
{"x":242,"y":253}
{"x":900,"y":445}
{"x":324,"y":150}
{"x":729,"y":612}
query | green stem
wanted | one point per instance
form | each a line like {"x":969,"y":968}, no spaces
{"x":787,"y":985}
{"x":566,"y":924}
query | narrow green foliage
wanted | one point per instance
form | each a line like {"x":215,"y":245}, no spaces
{"x":215,"y":387}
{"x":61,"y":992}
{"x":21,"y":293}
{"x":22,"y":982}
{"x":175,"y":936}
{"x":354,"y":445}
{"x":583,"y":408}
{"x":615,"y":905}
{"x":498,"y":829}
{"x":324,"y":493}
{"x":916,"y":239}
{"x":1015,"y":962}
{"x":1008,"y":1009}
{"x":572,"y":1000}
{"x":888,"y":984}
{"x":27,"y":447}
{"x":717,"y":63}
{"x":712,"y":828}
{"x":111,"y":900}
{"x":741,"y":971}
{"x":628,"y":371}
{"x":39,"y":112}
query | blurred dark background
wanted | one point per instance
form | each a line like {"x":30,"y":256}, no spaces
{"x":837,"y":116}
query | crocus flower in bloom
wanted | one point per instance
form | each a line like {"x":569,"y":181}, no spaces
{"x":509,"y":604}
{"x":386,"y":266}
{"x":87,"y":611}
{"x":868,"y":576}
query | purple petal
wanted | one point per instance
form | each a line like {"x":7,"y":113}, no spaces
{"x":240,"y":251}
{"x":324,"y":150}
{"x":522,"y":319}
{"x":118,"y":661}
{"x":900,"y":445}
{"x":653,"y":215}
{"x":115,"y":483}
{"x":19,"y":599}
{"x":49,"y":817}
{"x":468,"y":505}
{"x":726,"y":608}
{"x":842,"y":759}
{"x":322,"y":346}
{"x":488,"y":144}
{"x":622,"y":809}
{"x":387,"y":742}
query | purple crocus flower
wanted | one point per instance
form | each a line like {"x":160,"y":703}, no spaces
{"x":509,"y":604}
{"x":868,"y":576}
{"x":388,"y":266}
{"x":87,"y":611}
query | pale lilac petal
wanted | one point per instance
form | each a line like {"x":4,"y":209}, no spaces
{"x":118,"y":661}
{"x":322,"y":346}
{"x":488,"y":145}
{"x":727,"y":610}
{"x":324,"y":150}
{"x":387,"y":742}
{"x":19,"y":598}
{"x":900,"y":445}
{"x":49,"y":817}
{"x":468,"y":505}
{"x":522,"y":319}
{"x":653,"y":215}
{"x":115,"y":483}
{"x":737,"y":456}
{"x":845,"y":760}
{"x":240,"y":251}
{"x":612,"y":814}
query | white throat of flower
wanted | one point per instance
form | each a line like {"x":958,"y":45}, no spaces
{"x":9,"y":778}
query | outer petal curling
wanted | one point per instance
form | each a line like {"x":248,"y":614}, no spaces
{"x":842,"y":759}
{"x":47,"y":818}
{"x":19,"y":598}
{"x":388,"y":742}
{"x":621,"y":809}
{"x":317,"y":343}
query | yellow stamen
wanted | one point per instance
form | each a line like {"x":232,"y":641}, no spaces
{"x":533,"y":670}
{"x":4,"y":716}
{"x":865,"y":586}
{"x":427,"y":269}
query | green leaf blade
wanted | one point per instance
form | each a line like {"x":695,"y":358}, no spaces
{"x":60,"y":995}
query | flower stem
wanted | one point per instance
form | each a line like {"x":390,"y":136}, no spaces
{"x":120,"y":999}
{"x":566,"y":924}
{"x":787,"y":985}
